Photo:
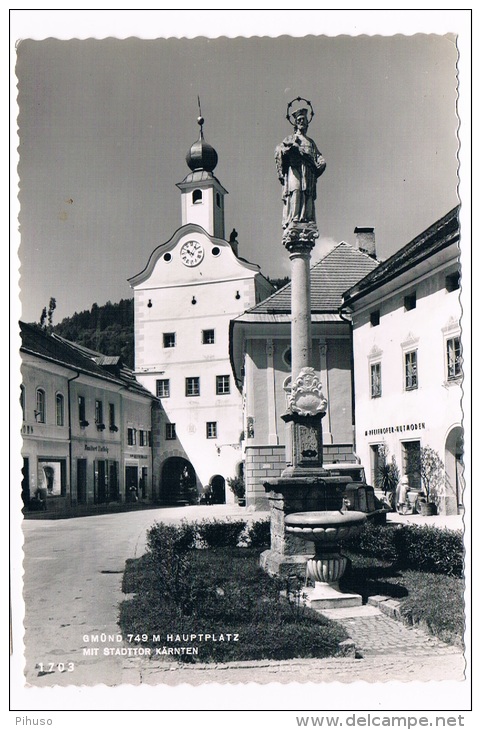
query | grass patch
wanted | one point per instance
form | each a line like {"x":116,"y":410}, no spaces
{"x":433,"y":600}
{"x":221,"y":592}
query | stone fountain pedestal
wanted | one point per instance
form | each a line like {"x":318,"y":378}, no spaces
{"x":326,"y":530}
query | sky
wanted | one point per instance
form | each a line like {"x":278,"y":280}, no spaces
{"x":104,"y":124}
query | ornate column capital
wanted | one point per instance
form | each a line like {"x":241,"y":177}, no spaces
{"x":300,"y":237}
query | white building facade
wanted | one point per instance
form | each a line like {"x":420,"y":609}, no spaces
{"x":406,"y":319}
{"x":184,"y":299}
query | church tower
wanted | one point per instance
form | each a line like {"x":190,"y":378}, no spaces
{"x":191,"y":288}
{"x":202,"y":193}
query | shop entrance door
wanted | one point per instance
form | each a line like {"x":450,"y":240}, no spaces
{"x":81,"y":481}
{"x":131,"y":484}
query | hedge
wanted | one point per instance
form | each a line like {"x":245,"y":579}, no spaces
{"x":425,"y":548}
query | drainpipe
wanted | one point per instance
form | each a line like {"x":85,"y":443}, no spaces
{"x":353,"y":400}
{"x":70,"y":380}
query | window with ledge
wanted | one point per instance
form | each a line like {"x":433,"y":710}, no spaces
{"x":222,"y":384}
{"x":208,"y":337}
{"x":376,"y":390}
{"x":59,"y":409}
{"x":162,"y":388}
{"x":375,"y":318}
{"x":170,"y":433}
{"x":143,"y":438}
{"x":131,"y":436}
{"x":81,"y":411}
{"x":410,"y":302}
{"x":192,"y":387}
{"x":452,"y":281}
{"x":112,"y":424}
{"x":40,"y":406}
{"x":99,"y":414}
{"x":453,"y":358}
{"x":211,"y":429}
{"x":411,"y":370}
{"x":169,"y":339}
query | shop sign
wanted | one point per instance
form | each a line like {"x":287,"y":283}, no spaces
{"x":395,"y":429}
{"x":102,"y":449}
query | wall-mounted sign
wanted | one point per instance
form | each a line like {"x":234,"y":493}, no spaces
{"x":103,"y":449}
{"x":395,"y":429}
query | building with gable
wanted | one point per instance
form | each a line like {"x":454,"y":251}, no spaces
{"x":261,"y":361}
{"x":184,"y":299}
{"x":406,"y":318}
{"x":86,"y":427}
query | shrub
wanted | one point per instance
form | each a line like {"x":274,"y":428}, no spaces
{"x":423,"y":548}
{"x":259,"y":533}
{"x":376,"y":541}
{"x":432,"y":550}
{"x":216,"y":533}
{"x":237,"y":486}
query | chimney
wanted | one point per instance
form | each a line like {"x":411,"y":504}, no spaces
{"x":366,"y":241}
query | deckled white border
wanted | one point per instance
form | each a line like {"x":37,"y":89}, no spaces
{"x":283,"y":702}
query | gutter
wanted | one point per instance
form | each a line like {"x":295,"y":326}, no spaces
{"x":70,"y":380}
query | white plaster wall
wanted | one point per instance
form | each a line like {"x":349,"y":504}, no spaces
{"x":435,"y":405}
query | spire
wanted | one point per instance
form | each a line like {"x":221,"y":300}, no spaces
{"x":201,"y":156}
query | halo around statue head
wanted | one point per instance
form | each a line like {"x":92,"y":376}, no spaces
{"x":290,"y":114}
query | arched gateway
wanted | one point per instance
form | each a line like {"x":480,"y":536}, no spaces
{"x":178,"y":483}
{"x":453,"y":460}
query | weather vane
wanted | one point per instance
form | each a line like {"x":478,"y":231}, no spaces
{"x":200,"y":118}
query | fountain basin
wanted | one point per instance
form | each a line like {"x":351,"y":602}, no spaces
{"x":326,"y":530}
{"x":324,"y":527}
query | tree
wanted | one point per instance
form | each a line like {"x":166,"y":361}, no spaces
{"x":431,"y":467}
{"x":46,"y":318}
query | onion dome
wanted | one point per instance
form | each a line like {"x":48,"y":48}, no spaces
{"x":201,"y":156}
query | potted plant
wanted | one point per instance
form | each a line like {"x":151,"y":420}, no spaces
{"x":237,"y":486}
{"x":431,"y":468}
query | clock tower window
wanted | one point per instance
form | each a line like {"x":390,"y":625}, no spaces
{"x":197,"y":196}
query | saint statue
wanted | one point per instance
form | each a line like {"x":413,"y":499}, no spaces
{"x":299,"y":163}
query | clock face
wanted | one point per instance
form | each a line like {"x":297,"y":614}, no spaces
{"x":191,"y":253}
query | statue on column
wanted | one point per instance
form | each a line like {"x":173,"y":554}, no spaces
{"x":299,"y":163}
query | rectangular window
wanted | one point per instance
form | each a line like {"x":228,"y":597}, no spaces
{"x":192,"y":387}
{"x":141,"y":438}
{"x":169,"y":339}
{"x":411,"y":370}
{"x":211,"y":429}
{"x":376,"y":380}
{"x":222,"y":384}
{"x":81,"y":410}
{"x":162,"y":388}
{"x":208,"y":337}
{"x":453,"y":357}
{"x":131,"y":436}
{"x":99,"y":412}
{"x":170,"y":434}
{"x":410,"y":301}
{"x":112,"y":425}
{"x":375,"y":318}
